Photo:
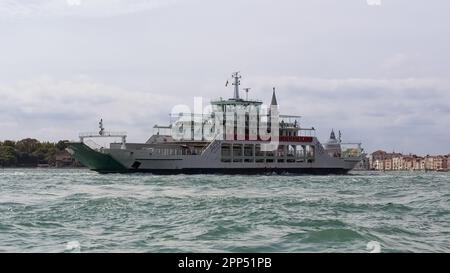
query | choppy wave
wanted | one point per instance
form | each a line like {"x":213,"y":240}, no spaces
{"x":78,"y":210}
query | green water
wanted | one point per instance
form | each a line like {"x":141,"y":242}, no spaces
{"x":42,"y":210}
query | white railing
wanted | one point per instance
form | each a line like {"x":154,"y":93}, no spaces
{"x":104,"y":134}
{"x":211,"y":143}
{"x":351,"y":150}
{"x":122,"y":135}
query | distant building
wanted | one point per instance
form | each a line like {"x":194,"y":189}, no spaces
{"x":387,"y":164}
{"x":383,"y":161}
{"x":417,"y":164}
{"x":375,"y":160}
{"x":363,"y":165}
{"x":429,"y":163}
{"x":333,"y":146}
{"x":397,"y":163}
{"x":440,"y":163}
{"x":408,"y":162}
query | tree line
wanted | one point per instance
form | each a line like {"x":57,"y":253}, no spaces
{"x":29,"y":152}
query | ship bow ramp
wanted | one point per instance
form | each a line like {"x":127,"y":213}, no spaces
{"x":95,"y":160}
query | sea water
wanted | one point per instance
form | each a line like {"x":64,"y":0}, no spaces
{"x":77,"y":210}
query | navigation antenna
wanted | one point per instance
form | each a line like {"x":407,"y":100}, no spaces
{"x":237,"y":82}
{"x":102,"y":129}
{"x":246,"y":93}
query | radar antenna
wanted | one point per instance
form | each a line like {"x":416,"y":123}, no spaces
{"x":102,"y":129}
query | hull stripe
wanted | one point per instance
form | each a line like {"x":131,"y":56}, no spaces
{"x":245,"y":171}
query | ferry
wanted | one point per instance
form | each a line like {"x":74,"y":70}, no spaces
{"x":237,"y":136}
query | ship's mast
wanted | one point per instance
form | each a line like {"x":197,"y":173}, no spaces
{"x":102,"y":129}
{"x":237,"y":82}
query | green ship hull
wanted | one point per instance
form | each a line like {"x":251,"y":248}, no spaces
{"x":95,"y":160}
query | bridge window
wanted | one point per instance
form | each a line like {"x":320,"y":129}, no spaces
{"x":226,"y":150}
{"x":237,"y":150}
{"x":258,"y":151}
{"x":310,"y":151}
{"x":248,"y":150}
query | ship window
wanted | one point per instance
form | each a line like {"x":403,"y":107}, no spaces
{"x":291,"y":151}
{"x":248,"y":160}
{"x":258,"y":151}
{"x":300,"y":153}
{"x":309,"y":151}
{"x":237,"y":150}
{"x":269,"y":160}
{"x":248,"y":150}
{"x":281,"y":151}
{"x":226,"y":150}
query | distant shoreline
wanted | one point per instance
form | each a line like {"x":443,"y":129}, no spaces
{"x":85,"y":168}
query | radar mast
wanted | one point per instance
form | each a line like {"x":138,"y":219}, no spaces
{"x":237,"y":81}
{"x":102,"y":129}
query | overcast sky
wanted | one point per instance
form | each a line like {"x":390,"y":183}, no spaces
{"x":379,"y":73}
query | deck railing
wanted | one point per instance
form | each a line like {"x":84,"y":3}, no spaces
{"x":104,"y":134}
{"x":351,"y":150}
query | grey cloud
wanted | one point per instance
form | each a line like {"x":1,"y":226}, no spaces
{"x":83,"y":8}
{"x":395,"y":108}
{"x":379,"y":74}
